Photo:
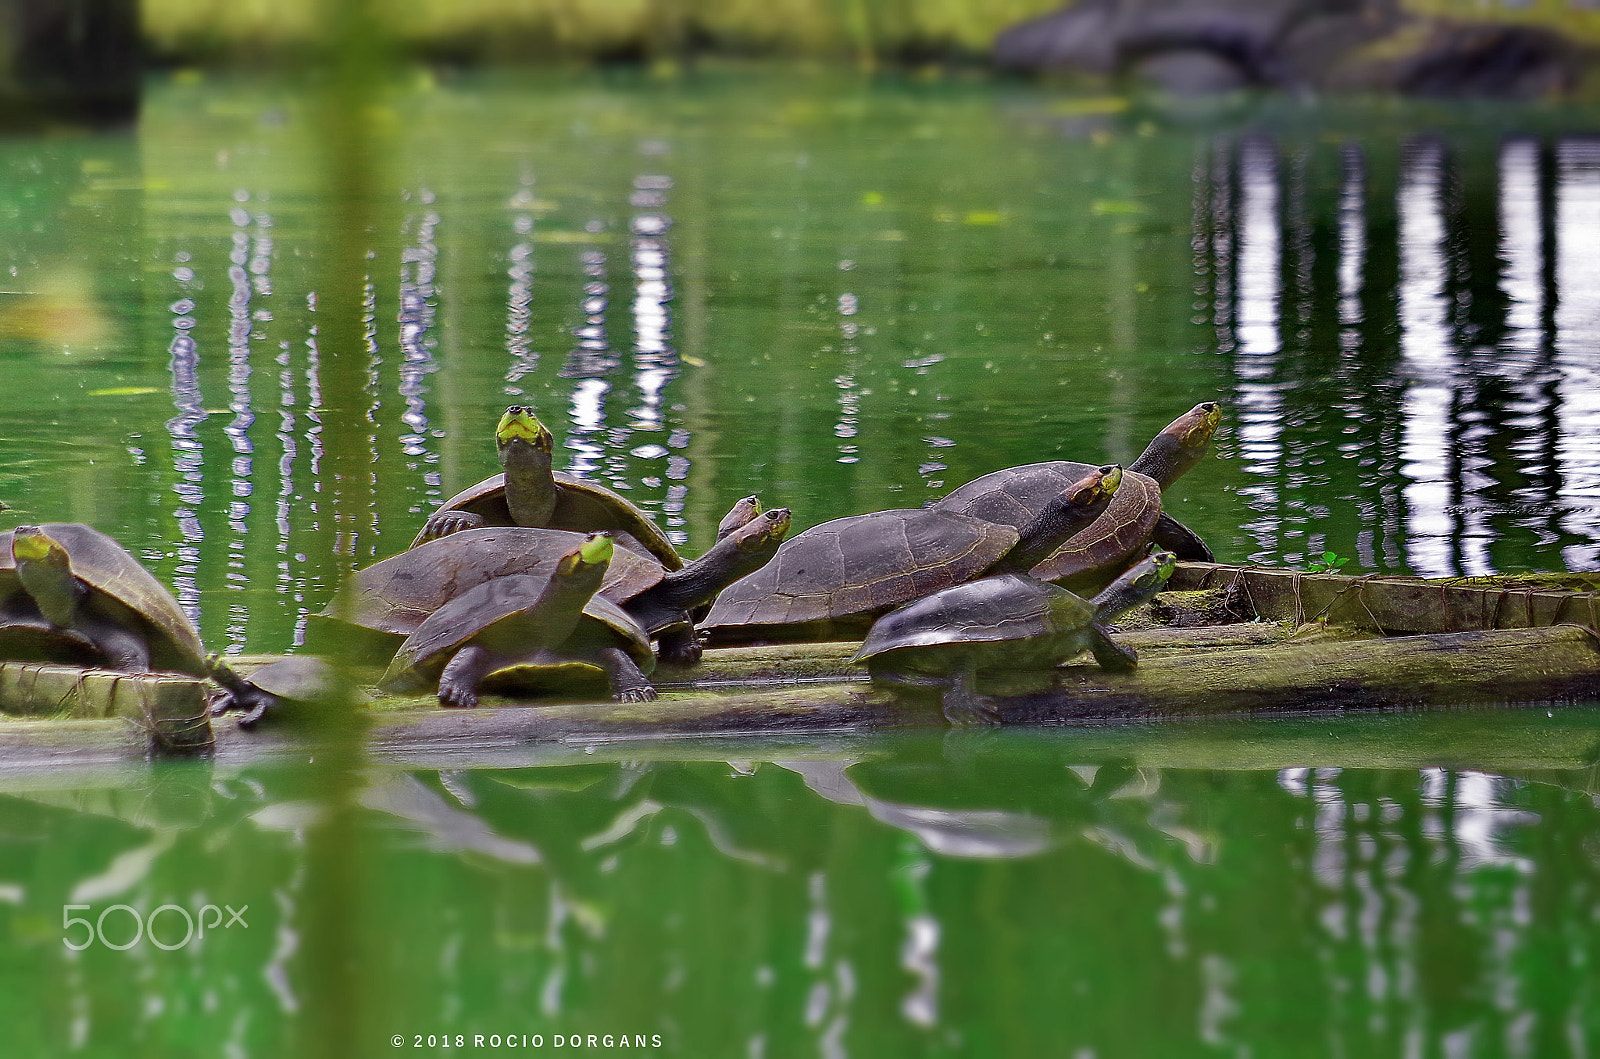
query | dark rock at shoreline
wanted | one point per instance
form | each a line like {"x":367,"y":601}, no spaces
{"x":1200,"y":46}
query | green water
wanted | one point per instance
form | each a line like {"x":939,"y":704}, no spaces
{"x":841,"y":294}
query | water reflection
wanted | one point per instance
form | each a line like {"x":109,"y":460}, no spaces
{"x":856,"y":886}
{"x":1470,"y":414}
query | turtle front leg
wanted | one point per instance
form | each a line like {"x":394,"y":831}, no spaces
{"x":963,"y":706}
{"x":1112,"y":656}
{"x":458,"y":684}
{"x":628,"y":682}
{"x":444,"y":523}
{"x":123,"y":649}
{"x":679,"y":646}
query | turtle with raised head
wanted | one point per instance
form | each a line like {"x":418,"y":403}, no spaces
{"x":835,"y":578}
{"x":1007,"y":622}
{"x":515,"y":622}
{"x":531,"y":492}
{"x":393,"y":597}
{"x":70,"y":593}
{"x":1093,"y":557}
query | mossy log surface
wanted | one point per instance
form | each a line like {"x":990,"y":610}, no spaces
{"x":167,"y":709}
{"x":1400,"y":605}
{"x":809,"y":690}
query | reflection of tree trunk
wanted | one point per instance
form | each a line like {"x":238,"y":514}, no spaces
{"x":79,"y":58}
{"x":336,"y":979}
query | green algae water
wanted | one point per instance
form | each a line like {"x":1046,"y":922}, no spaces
{"x":841,"y":294}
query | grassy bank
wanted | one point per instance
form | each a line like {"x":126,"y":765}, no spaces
{"x":652,"y":30}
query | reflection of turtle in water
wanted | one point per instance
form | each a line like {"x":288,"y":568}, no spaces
{"x":516,"y":621}
{"x":530,"y":492}
{"x":287,"y":684}
{"x":1091,"y":558}
{"x":833,"y":579}
{"x":1003,"y":623}
{"x":69,"y":593}
{"x":395,"y":596}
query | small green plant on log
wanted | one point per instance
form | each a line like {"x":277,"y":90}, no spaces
{"x":1327,"y":563}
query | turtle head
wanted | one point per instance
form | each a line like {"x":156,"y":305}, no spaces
{"x":762,"y":533}
{"x":738,"y":515}
{"x":1097,"y":486}
{"x":520,"y":428}
{"x":45,"y":570}
{"x":595,"y":551}
{"x":1067,"y":514}
{"x":32,"y":544}
{"x":744,"y":551}
{"x":1181,"y":444}
{"x":1137,"y":585}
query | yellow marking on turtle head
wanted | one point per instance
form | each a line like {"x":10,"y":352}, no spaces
{"x":520,"y":424}
{"x":32,"y":544}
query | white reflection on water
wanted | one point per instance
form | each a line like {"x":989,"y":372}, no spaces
{"x":1484,"y":424}
{"x":1577,"y":345}
{"x":1427,"y":352}
{"x":1257,"y":289}
{"x":519,"y":299}
{"x":188,"y":455}
{"x":418,"y":268}
{"x":655,"y":360}
{"x":249,"y":271}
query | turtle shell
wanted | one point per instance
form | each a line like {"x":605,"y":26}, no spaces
{"x":32,"y":638}
{"x":1091,"y":558}
{"x":1005,"y":608}
{"x":427,"y":650}
{"x":855,"y":568}
{"x":304,"y":678}
{"x":398,"y":594}
{"x":107,"y":568}
{"x":603,"y":624}
{"x":581,"y":506}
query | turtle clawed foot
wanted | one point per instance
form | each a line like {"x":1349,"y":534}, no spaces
{"x":455,"y":697}
{"x":979,"y":718}
{"x":968,"y":710}
{"x":443,"y":525}
{"x":644,"y":694}
{"x":249,"y":718}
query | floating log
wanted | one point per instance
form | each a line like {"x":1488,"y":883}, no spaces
{"x":1391,"y":605}
{"x":788,"y":690}
{"x":168,"y":708}
{"x":1558,"y":664}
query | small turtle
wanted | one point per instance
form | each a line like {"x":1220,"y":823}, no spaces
{"x":510,"y":621}
{"x":284,"y":685}
{"x":393,"y":597}
{"x":66,"y":587}
{"x":835,"y":578}
{"x":1006,"y":622}
{"x":530,"y":492}
{"x":1091,"y":558}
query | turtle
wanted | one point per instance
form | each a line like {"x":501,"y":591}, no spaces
{"x":1090,"y":560}
{"x":1004,"y":622}
{"x":287,"y":684}
{"x":393,"y":597}
{"x":515,"y":621}
{"x":70,"y":593}
{"x":835,"y":578}
{"x":530,"y":492}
